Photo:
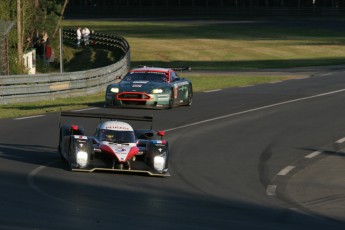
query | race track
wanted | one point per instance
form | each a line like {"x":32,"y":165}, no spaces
{"x":257,"y":157}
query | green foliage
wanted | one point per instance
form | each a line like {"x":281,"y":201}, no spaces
{"x":34,"y":22}
{"x":8,"y":10}
{"x":48,"y":15}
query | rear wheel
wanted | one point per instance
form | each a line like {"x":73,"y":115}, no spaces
{"x":171,"y":100}
{"x":190,"y":96}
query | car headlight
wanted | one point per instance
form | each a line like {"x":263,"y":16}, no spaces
{"x":114,"y":90}
{"x":82,"y":158}
{"x":157,"y":91}
{"x":159,"y":162}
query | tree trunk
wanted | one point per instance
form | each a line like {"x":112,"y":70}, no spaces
{"x":19,"y":36}
{"x":62,"y":12}
{"x":36,"y":18}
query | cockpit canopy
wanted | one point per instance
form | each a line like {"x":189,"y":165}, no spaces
{"x":115,"y":136}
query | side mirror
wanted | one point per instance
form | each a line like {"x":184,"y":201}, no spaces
{"x":94,"y":141}
{"x":161,"y":133}
{"x":118,"y":77}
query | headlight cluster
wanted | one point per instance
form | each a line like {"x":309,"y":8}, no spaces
{"x":159,"y":162}
{"x":82,"y":158}
{"x":114,"y":90}
{"x":157,"y":91}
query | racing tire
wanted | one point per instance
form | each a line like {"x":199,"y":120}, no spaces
{"x":171,"y":100}
{"x":61,"y":157}
{"x":190,"y":96}
{"x":69,"y":159}
{"x":60,"y":153}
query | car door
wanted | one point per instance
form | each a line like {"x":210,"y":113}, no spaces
{"x":180,"y":86}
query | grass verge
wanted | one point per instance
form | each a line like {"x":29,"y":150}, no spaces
{"x":229,"y":44}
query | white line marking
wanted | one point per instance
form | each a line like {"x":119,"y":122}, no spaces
{"x":325,"y":74}
{"x":211,"y":91}
{"x":273,"y":82}
{"x":79,"y":110}
{"x":255,"y":109}
{"x":245,"y":86}
{"x":271,"y":190}
{"x":340,"y":140}
{"x":313,"y":154}
{"x":23,"y":118}
{"x":286,"y":170}
{"x":32,"y":184}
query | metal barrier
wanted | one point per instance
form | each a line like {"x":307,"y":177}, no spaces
{"x":38,"y":87}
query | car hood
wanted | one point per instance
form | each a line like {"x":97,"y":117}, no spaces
{"x":122,"y":152}
{"x":141,"y":86}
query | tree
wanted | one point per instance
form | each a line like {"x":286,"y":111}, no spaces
{"x":33,"y":18}
{"x":19,"y":36}
{"x":60,"y":18}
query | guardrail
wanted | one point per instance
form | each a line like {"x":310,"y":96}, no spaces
{"x":38,"y":87}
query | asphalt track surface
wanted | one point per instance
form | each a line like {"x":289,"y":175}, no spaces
{"x":267,"y":156}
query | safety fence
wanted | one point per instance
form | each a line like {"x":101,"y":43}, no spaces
{"x":38,"y":87}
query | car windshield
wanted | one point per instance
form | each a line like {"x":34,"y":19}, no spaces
{"x":117,"y":136}
{"x":146,"y":76}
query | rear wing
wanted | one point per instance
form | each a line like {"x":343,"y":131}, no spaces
{"x":182,"y":68}
{"x":106,"y":116}
{"x":173,"y":68}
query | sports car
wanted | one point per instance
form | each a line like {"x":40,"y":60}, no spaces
{"x":150,"y":87}
{"x":115,"y":146}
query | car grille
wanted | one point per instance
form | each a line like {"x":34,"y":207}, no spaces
{"x":133,"y":96}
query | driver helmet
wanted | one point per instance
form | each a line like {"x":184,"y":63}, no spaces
{"x":109,"y":137}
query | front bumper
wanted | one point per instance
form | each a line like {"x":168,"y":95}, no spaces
{"x":137,"y":99}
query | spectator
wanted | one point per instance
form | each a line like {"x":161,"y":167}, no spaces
{"x":45,"y":36}
{"x":39,"y":46}
{"x":78,"y":36}
{"x":86,"y":35}
{"x":48,"y":53}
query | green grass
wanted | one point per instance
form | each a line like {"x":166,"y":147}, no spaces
{"x":34,"y":108}
{"x":229,"y":44}
{"x":204,"y":83}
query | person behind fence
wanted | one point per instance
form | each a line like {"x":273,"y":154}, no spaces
{"x":39,"y":46}
{"x":78,"y":36}
{"x":48,"y":52}
{"x":86,"y":35}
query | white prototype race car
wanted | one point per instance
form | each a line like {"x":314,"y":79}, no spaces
{"x":115,"y":146}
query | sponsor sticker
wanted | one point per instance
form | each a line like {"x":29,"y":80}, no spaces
{"x":117,"y":127}
{"x":162,"y":98}
{"x":80,"y":137}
